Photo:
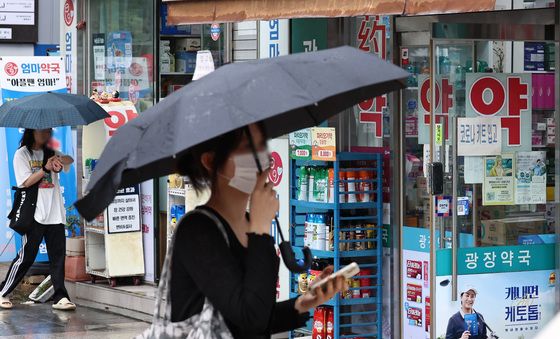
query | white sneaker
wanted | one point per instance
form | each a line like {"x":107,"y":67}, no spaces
{"x":64,"y":305}
{"x":5,"y":303}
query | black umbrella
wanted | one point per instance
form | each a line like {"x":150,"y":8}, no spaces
{"x":285,"y":93}
{"x":46,"y":110}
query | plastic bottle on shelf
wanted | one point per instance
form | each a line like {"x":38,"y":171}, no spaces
{"x":331,"y":185}
{"x":319,"y":240}
{"x":311,"y":185}
{"x":303,"y":184}
{"x":365,"y":186}
{"x":171,"y":59}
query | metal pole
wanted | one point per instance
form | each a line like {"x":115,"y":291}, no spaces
{"x":454,"y":242}
{"x":432,"y":225}
{"x":475,"y":214}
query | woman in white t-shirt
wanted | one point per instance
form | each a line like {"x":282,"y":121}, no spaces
{"x":50,"y":215}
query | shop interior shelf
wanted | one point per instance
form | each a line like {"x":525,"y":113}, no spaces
{"x":93,"y":229}
{"x":342,"y":254}
{"x":332,"y":206}
{"x":175,"y":73}
{"x":179,"y":36}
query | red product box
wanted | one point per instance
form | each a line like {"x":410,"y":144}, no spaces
{"x":414,"y":269}
{"x":319,"y":328}
{"x":414,"y":293}
{"x":428,"y":314}
{"x":414,"y":315}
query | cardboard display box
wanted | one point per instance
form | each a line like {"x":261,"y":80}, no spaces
{"x":501,"y":232}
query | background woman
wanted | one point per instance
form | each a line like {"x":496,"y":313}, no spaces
{"x":50,"y":215}
{"x":240,"y":279}
{"x":457,"y":326}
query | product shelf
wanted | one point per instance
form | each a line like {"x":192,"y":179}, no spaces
{"x":350,"y":228}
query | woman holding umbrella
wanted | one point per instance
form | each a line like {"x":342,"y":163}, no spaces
{"x":37,"y":167}
{"x":50,"y":214}
{"x":240,"y":279}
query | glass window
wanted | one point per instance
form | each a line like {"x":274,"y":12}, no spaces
{"x":122,"y":55}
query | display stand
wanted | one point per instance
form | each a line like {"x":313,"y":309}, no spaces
{"x":114,"y":240}
{"x":361,"y":315}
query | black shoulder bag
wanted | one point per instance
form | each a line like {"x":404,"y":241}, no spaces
{"x":22,"y":215}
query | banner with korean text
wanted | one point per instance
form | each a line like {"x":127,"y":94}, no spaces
{"x":22,"y":76}
{"x":519,"y":301}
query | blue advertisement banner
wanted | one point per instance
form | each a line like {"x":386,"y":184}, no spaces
{"x":24,"y":78}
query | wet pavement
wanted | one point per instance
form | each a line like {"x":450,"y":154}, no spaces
{"x":41,"y":321}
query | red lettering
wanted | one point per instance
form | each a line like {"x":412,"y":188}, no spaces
{"x":130,"y":114}
{"x":366,"y":105}
{"x":426,"y":97}
{"x":513,"y":125}
{"x":497,"y":101}
{"x":375,"y":118}
{"x":447,"y":97}
{"x":517,"y":96}
{"x":112,"y":124}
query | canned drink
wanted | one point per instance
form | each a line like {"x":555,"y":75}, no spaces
{"x":341,"y":187}
{"x":351,"y":235}
{"x":331,"y":186}
{"x":359,"y":245}
{"x":351,"y":184}
{"x":356,"y":294}
{"x":303,"y":285}
{"x":365,"y":282}
{"x":365,"y":185}
{"x":370,"y":235}
{"x":342,"y":246}
{"x":348,"y":293}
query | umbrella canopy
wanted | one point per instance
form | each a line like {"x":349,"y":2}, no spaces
{"x":46,"y":110}
{"x":285,"y":93}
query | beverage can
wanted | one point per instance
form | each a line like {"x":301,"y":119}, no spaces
{"x":348,"y":293}
{"x":356,"y":294}
{"x":350,"y":235}
{"x":370,"y":234}
{"x":342,"y":246}
{"x":302,"y":283}
{"x":359,"y":235}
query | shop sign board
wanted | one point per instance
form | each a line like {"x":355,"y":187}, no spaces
{"x":372,"y":37}
{"x":507,"y":96}
{"x":20,"y":77}
{"x":324,"y":143}
{"x":308,"y":35}
{"x":274,"y":38}
{"x":444,"y":107}
{"x":215,"y":32}
{"x":69,"y":42}
{"x":498,"y":185}
{"x":444,"y":206}
{"x":300,"y":144}
{"x":520,"y":300}
{"x":123,"y":214}
{"x":19,"y":21}
{"x":479,"y":136}
{"x":530,"y":177}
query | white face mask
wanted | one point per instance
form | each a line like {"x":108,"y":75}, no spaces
{"x":245,"y":177}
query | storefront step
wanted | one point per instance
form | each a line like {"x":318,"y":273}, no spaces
{"x":136,"y":302}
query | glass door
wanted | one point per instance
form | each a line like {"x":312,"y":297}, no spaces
{"x":493,"y":213}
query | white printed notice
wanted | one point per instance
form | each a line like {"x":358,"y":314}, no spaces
{"x":123,"y":214}
{"x":530,"y":178}
{"x":479,"y":136}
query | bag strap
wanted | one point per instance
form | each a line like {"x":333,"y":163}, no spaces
{"x":164,"y":287}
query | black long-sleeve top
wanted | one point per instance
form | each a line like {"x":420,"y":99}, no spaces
{"x":239,"y":282}
{"x":456,"y":326}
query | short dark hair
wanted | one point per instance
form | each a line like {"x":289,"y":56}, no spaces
{"x":190,"y":163}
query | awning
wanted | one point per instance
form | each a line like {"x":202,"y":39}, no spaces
{"x":209,"y":11}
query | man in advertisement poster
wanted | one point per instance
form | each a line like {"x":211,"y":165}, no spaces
{"x":467,"y":323}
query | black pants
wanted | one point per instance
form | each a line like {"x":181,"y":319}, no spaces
{"x":56,"y":248}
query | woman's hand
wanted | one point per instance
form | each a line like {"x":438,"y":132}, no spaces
{"x":263,"y":206}
{"x":50,"y":163}
{"x":308,"y":301}
{"x":466,"y":335}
